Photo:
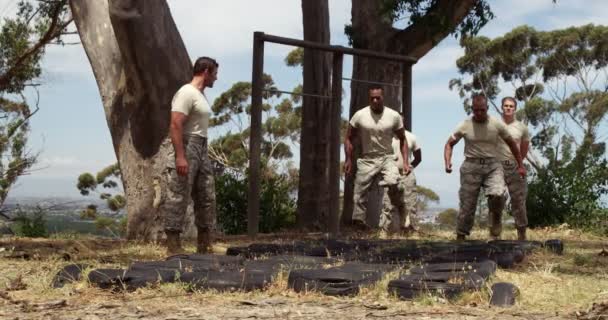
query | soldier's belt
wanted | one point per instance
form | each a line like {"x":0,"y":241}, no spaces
{"x":508,"y":162}
{"x":481,"y":160}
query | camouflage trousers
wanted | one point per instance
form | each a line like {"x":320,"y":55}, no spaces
{"x":474,"y":175}
{"x":385,"y":170}
{"x":518,"y":191}
{"x":198,"y":186}
{"x":410,"y":199}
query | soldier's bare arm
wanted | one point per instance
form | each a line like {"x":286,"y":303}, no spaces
{"x":351,"y":134}
{"x":524,"y":146}
{"x":513,"y":146}
{"x":400,"y":133}
{"x":417,"y":158}
{"x":447,"y":153}
{"x":176,"y":132}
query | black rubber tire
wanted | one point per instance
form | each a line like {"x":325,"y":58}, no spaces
{"x":555,"y":245}
{"x":227,"y":280}
{"x":287,"y":262}
{"x":134,"y":279}
{"x":68,"y":274}
{"x":525,"y":246}
{"x":332,"y":282}
{"x":485,"y":269}
{"x":106,"y":278}
{"x":503,"y":294}
{"x":407,"y":290}
{"x":468,"y":280}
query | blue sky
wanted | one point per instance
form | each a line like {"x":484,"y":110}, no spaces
{"x":70,"y":130}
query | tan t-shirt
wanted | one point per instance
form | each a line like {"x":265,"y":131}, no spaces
{"x":519,"y":132}
{"x":412,"y":145}
{"x":376,"y":130}
{"x":191,"y":102}
{"x":481,"y":139}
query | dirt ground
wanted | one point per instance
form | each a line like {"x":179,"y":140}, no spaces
{"x":572,"y":286}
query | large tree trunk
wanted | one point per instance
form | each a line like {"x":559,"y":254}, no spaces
{"x":313,"y":192}
{"x":373,"y":32}
{"x":139,"y":61}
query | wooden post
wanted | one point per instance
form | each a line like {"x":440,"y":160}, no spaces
{"x":406,"y":100}
{"x":334,"y":145}
{"x":255,"y":138}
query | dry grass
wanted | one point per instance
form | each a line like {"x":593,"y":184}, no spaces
{"x":547,"y":282}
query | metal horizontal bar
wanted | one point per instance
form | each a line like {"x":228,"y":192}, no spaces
{"x":372,"y":82}
{"x":299,"y":94}
{"x":326,"y":47}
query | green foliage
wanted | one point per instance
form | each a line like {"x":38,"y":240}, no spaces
{"x":277,"y":207}
{"x":567,"y":112}
{"x":282,"y":119}
{"x":31,"y":225}
{"x":113,"y":226}
{"x":23,"y":38}
{"x":106,"y":178}
{"x":89,"y":213}
{"x":447,"y":218}
{"x":424,"y":196}
{"x":425,"y":13}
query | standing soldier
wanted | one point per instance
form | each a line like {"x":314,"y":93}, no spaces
{"x":515,"y":183}
{"x":189,"y":171}
{"x":375,"y":126}
{"x":481,"y":168}
{"x":408,"y":182}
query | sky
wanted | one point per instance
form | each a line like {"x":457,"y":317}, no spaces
{"x":70,"y":131}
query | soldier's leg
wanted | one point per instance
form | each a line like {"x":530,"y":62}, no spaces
{"x":471,"y":178}
{"x":517,"y":193}
{"x":178,"y":193}
{"x":494,"y":185}
{"x":367,"y":169}
{"x":395,"y":205}
{"x":177,"y":196}
{"x":204,"y":204}
{"x":410,"y":199}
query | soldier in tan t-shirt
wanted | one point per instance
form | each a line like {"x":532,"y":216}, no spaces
{"x":189,"y":172}
{"x":375,"y":126}
{"x":481,"y":168}
{"x":516,"y":185}
{"x":408,"y":182}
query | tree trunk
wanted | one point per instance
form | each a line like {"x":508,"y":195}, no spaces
{"x":371,"y":31}
{"x":313,"y":191}
{"x":139,"y":61}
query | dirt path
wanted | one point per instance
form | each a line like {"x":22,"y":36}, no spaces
{"x":264,"y":308}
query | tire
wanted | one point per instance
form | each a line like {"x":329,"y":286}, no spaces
{"x":286,"y":262}
{"x":134,"y":279}
{"x":555,"y":245}
{"x":70,"y":273}
{"x":332,"y":282}
{"x":503,"y":294}
{"x":525,"y":246}
{"x":407,"y":290}
{"x":227,"y":280}
{"x":106,"y":278}
{"x":468,"y":280}
{"x":484,"y":269}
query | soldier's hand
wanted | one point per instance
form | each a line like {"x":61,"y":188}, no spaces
{"x":407,"y":169}
{"x":522,"y":171}
{"x":181,"y":165}
{"x":448,"y":167}
{"x":348,"y":167}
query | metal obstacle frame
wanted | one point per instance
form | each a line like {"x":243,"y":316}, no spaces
{"x":255,"y":139}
